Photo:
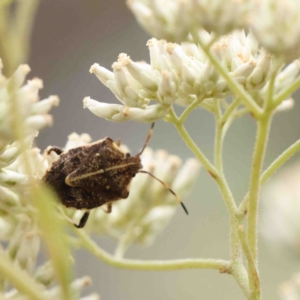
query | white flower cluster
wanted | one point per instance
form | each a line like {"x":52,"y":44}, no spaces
{"x":276,"y":25}
{"x":173,"y":20}
{"x":150,"y":205}
{"x":280,"y":206}
{"x":182,"y":73}
{"x":19,"y":234}
{"x":275,"y":22}
{"x":33,"y":112}
{"x":45,"y":277}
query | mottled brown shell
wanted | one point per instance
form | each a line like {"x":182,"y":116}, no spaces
{"x":90,"y":176}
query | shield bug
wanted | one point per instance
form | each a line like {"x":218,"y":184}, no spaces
{"x":100,"y":173}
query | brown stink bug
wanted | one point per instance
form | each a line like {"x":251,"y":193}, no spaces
{"x":96,"y":174}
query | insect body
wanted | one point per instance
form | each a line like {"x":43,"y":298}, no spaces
{"x":93,"y":175}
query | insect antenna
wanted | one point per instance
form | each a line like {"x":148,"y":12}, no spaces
{"x":147,"y":139}
{"x":167,"y":187}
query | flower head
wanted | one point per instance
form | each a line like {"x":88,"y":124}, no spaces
{"x":179,"y":74}
{"x":276,"y":25}
{"x":34,"y":113}
{"x":173,"y":20}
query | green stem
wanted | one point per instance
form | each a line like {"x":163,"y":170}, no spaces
{"x":236,"y":267}
{"x":232,"y":83}
{"x":275,"y":165}
{"x":254,"y":188}
{"x":19,"y":278}
{"x":252,"y":268}
{"x":286,"y":93}
{"x":191,"y":144}
{"x":22,"y":28}
{"x":218,"y":140}
{"x":156,"y":265}
{"x":189,"y":109}
{"x":268,"y":104}
{"x":233,"y":105}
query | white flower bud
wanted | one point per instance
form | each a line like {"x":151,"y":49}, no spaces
{"x":167,"y":88}
{"x":102,"y":74}
{"x":245,"y":69}
{"x":103,"y":110}
{"x":120,"y":113}
{"x":8,"y":197}
{"x":260,"y":72}
{"x":29,"y":92}
{"x":43,"y":106}
{"x":143,"y":73}
{"x":18,"y":77}
{"x":285,"y":105}
{"x":288,"y":74}
{"x":44,"y":274}
{"x":122,"y":82}
{"x":10,"y":178}
{"x":10,"y":154}
{"x":38,"y":122}
{"x":75,"y":140}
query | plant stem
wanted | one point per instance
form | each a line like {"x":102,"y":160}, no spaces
{"x":188,"y":110}
{"x":191,"y":144}
{"x":252,"y":268}
{"x":254,"y":188}
{"x":236,"y":267}
{"x":218,"y":140}
{"x":156,"y":265}
{"x":235,"y":103}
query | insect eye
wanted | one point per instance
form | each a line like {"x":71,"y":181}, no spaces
{"x":133,"y":174}
{"x":127,"y":155}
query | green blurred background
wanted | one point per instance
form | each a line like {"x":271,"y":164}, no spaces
{"x":68,"y":37}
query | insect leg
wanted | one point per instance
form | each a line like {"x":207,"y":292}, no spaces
{"x":56,"y":150}
{"x":83,"y":220}
{"x":109,"y":208}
